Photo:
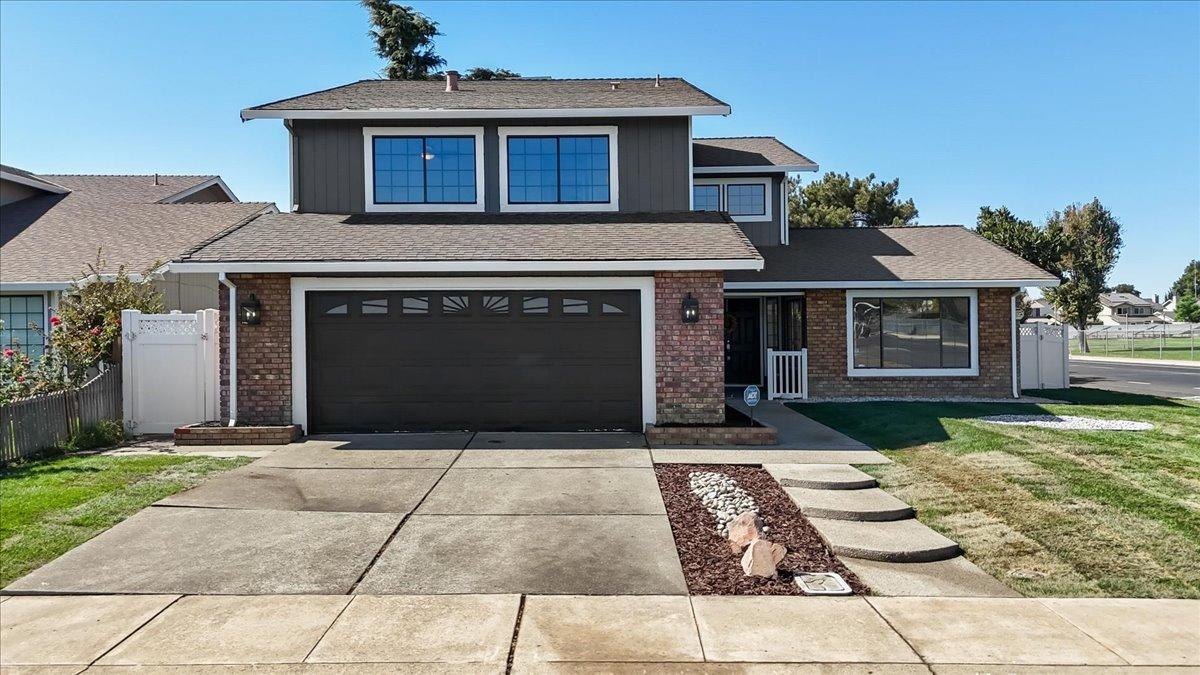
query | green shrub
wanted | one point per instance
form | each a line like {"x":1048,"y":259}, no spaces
{"x":103,"y":434}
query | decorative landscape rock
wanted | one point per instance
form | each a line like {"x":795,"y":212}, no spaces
{"x":745,"y":530}
{"x":1068,"y":422}
{"x":721,"y":497}
{"x":762,"y":558}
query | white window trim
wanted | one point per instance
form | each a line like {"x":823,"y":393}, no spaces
{"x":301,"y":286}
{"x":614,"y":196}
{"x":724,"y":183}
{"x":969,"y":293}
{"x":369,"y":133}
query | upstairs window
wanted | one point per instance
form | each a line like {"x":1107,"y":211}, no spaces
{"x":423,"y":169}
{"x":746,"y":200}
{"x":706,"y":197}
{"x":558,"y":170}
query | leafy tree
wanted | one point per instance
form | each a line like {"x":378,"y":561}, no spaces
{"x":1091,"y":243}
{"x":404,"y":38}
{"x":490,"y":74}
{"x":1187,"y":309}
{"x":837,"y":200}
{"x":1033,"y":243}
{"x":1188,"y":283}
{"x":1123,"y":288}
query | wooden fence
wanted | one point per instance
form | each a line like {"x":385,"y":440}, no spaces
{"x":31,"y":425}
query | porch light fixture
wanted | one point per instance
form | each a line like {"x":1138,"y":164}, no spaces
{"x":691,"y":309}
{"x":250,"y":311}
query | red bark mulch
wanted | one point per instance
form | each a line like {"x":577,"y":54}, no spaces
{"x":711,"y":567}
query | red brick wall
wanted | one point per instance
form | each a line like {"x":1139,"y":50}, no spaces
{"x":826,"y":313}
{"x":264,"y":355}
{"x":690,"y":378}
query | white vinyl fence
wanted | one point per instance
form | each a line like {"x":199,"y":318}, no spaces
{"x":787,"y":374}
{"x":169,"y":369}
{"x":1044,"y":356}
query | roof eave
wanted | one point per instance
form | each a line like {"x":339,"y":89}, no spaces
{"x":767,"y":168}
{"x":37,"y":183}
{"x":506,"y":266}
{"x":473,"y":113}
{"x":891,"y":283}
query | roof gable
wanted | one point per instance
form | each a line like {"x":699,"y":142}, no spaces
{"x":765,"y":152}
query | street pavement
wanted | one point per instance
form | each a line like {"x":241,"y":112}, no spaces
{"x":1137,"y":378}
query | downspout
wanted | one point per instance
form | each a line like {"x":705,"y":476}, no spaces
{"x":232,"y":330}
{"x":1016,"y":382}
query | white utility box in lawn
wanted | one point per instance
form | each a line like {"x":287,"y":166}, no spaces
{"x":169,"y":370}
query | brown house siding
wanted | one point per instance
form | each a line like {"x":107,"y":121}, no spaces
{"x":690,"y":378}
{"x":264,"y":351}
{"x":827,"y":353}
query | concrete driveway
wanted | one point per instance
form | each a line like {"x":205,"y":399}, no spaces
{"x":398,"y":514}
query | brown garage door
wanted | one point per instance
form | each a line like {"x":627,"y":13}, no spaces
{"x":479,"y":360}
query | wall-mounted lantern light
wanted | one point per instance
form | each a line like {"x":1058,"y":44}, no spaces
{"x":250,"y":312}
{"x":691,"y":309}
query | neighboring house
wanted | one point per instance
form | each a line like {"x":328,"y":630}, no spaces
{"x":1121,"y":309}
{"x":1041,"y":309}
{"x":1167,"y":313}
{"x":53,"y":226}
{"x":564,"y":255}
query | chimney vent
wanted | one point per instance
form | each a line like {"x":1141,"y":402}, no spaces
{"x":156,"y":179}
{"x":658,"y":80}
{"x":615,"y":85}
{"x":451,"y":80}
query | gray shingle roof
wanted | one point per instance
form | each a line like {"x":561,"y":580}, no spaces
{"x":747,"y":151}
{"x":498,"y":95}
{"x":287,"y":237}
{"x":1113,"y":299}
{"x":919,"y":253}
{"x":51,"y":238}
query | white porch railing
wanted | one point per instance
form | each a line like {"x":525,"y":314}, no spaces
{"x":787,"y":374}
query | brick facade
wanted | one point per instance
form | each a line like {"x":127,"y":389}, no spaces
{"x":826,"y":314}
{"x":264,"y":351}
{"x":690,"y":377}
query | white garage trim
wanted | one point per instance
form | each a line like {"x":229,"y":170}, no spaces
{"x":302,"y":285}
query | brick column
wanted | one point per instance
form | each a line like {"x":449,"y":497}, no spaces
{"x":690,"y":378}
{"x":264,"y":355}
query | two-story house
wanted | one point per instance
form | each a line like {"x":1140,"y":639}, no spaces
{"x":564,"y":255}
{"x":1120,"y":309}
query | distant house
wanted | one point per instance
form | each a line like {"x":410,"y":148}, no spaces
{"x":1120,"y":309}
{"x":1041,"y":309}
{"x":52,"y":226}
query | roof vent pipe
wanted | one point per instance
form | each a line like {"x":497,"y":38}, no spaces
{"x":615,"y":85}
{"x":156,"y":179}
{"x":657,"y":80}
{"x":451,"y":80}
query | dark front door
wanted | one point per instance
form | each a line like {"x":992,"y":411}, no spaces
{"x":477,"y":360}
{"x":742,"y":345}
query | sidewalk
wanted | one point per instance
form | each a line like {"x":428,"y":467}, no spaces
{"x":1138,"y":362}
{"x":480,"y":633}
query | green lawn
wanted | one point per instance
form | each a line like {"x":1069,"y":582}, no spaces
{"x":1050,"y":513}
{"x":49,"y":507}
{"x":1183,"y":349}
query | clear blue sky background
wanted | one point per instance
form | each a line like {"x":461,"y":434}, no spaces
{"x":1032,"y":106}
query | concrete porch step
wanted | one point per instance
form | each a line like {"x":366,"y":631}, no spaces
{"x":891,"y":541}
{"x":820,"y":476}
{"x":870,"y":504}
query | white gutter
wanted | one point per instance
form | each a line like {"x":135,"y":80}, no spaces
{"x":1016,"y":382}
{"x":770,"y":168}
{"x":333,"y":267}
{"x":476,"y":113}
{"x":231,"y":319}
{"x":948,"y":283}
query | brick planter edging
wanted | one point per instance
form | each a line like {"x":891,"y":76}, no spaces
{"x":697,"y":435}
{"x":196,"y":434}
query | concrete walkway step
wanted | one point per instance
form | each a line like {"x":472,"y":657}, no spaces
{"x":953,"y":578}
{"x":871,"y":504}
{"x":820,"y":476}
{"x":893,"y":541}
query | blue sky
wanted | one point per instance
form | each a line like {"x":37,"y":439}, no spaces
{"x":1027,"y":105}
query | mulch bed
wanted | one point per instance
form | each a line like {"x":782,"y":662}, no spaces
{"x":711,"y":567}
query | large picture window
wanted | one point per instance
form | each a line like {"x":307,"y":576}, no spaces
{"x":558,"y":170}
{"x":911,"y":334}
